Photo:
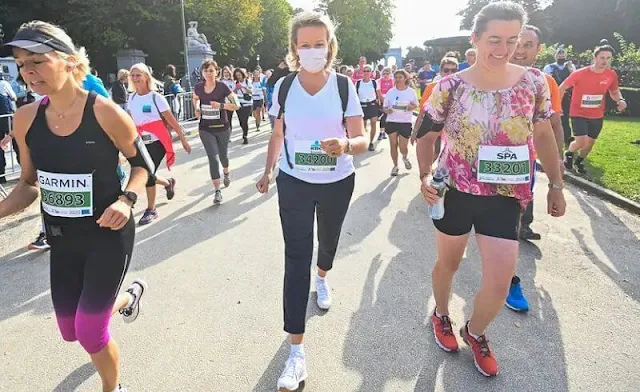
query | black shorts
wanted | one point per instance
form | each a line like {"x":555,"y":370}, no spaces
{"x":157,"y":152}
{"x":370,"y":110}
{"x":587,"y":126}
{"x":403,"y":129}
{"x":493,"y":216}
{"x":258,"y":104}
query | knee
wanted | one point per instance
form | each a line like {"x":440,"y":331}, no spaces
{"x":448,"y":267}
{"x":93,"y":338}
{"x":151,"y":181}
{"x":498,"y":289}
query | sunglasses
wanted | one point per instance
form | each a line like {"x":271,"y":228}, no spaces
{"x":366,"y":71}
{"x":449,"y":70}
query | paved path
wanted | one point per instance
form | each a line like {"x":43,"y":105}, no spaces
{"x":212,"y":320}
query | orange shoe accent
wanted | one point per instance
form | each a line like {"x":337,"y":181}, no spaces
{"x":483,"y":356}
{"x":443,"y":332}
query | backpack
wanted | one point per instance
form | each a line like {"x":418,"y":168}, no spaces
{"x":343,"y":90}
{"x":375,"y":86}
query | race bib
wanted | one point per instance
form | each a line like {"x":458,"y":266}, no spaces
{"x":504,"y":165}
{"x":310,"y":157}
{"x":66,"y":195}
{"x":592,"y":101}
{"x":207,"y":112}
{"x":401,"y":105}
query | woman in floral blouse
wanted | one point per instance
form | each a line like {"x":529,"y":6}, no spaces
{"x":495,"y":117}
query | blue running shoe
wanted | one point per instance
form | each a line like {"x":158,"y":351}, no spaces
{"x":516,"y":299}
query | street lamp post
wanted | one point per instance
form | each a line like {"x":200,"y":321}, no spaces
{"x":258,"y":61}
{"x":184,"y":42}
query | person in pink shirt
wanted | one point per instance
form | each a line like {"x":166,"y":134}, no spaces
{"x":358,"y":74}
{"x":384,"y":84}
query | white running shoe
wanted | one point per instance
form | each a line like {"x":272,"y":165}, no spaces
{"x":295,"y":372}
{"x":131,"y":312}
{"x":394,"y":171}
{"x":324,"y":294}
{"x":407,"y":163}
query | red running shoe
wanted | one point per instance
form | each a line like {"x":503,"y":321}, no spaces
{"x":443,"y":332}
{"x":483,"y":356}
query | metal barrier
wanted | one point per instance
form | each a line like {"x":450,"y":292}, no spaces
{"x":181,"y":106}
{"x":6,"y":125}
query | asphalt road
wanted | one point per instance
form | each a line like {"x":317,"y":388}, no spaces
{"x":212,"y":319}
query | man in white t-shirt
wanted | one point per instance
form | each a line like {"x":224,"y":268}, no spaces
{"x":370,"y":100}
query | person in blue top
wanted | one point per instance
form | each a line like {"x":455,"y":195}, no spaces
{"x":425,"y":75}
{"x":470,"y":57}
{"x":93,"y":83}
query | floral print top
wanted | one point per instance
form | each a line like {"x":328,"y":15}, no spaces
{"x":473,"y":117}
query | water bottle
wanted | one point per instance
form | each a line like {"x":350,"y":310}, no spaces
{"x":437,"y":182}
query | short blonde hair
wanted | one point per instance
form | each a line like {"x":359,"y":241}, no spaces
{"x":309,"y":19}
{"x":78,"y":59}
{"x":123,"y":73}
{"x":152,"y":83}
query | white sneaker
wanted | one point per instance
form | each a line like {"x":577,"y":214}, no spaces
{"x":407,"y":163}
{"x":324,"y":294}
{"x":395,"y":171}
{"x":137,"y":289}
{"x":295,"y":371}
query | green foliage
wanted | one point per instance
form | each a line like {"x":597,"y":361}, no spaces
{"x":548,"y":56}
{"x":613,"y":162}
{"x":533,"y":8}
{"x":627,"y":62}
{"x":364,"y":27}
{"x":416,"y":53}
{"x":275,"y":21}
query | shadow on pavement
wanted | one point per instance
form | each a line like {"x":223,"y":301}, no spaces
{"x":619,"y":244}
{"x":269,"y":379}
{"x":76,"y":378}
{"x":390,"y":336}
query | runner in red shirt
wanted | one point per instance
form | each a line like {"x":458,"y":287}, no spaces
{"x":590,"y":86}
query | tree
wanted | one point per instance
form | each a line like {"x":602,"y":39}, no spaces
{"x":416,"y":53}
{"x":534,"y":9}
{"x":364,"y":27}
{"x":275,"y":30}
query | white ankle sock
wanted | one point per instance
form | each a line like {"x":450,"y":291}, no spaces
{"x":129,"y":303}
{"x":320,"y":278}
{"x":476,"y":337}
{"x":439,"y":315}
{"x":297,"y":349}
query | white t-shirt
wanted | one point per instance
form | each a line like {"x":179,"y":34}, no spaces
{"x":257,"y":94}
{"x":366,"y":92}
{"x":144,"y":111}
{"x":398,"y":100}
{"x":310,"y":119}
{"x":229,"y":83}
{"x":240,"y":93}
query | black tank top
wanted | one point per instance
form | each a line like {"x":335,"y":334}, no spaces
{"x":77,"y":173}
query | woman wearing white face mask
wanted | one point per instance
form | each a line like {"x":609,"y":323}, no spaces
{"x":316,"y":170}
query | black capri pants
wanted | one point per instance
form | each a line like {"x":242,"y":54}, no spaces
{"x":300,"y":202}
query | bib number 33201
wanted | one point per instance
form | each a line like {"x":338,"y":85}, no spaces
{"x":504,"y":165}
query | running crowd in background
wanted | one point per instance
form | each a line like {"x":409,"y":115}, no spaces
{"x":478,"y":133}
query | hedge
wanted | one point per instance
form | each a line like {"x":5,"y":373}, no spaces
{"x":632,"y":96}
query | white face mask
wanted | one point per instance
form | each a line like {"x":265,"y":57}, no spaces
{"x":313,"y":60}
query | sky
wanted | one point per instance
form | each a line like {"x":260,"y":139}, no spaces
{"x":414,"y":22}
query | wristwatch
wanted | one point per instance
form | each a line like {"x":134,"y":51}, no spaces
{"x":131,"y":196}
{"x":556,"y":186}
